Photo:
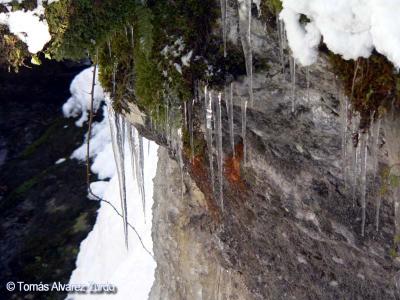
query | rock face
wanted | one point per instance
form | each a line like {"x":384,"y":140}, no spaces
{"x":187,"y":262}
{"x":290,"y":228}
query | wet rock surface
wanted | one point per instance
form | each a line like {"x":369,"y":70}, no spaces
{"x":44,"y":211}
{"x":290,"y":229}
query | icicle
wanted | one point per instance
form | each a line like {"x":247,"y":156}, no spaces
{"x":354,"y":163}
{"x":344,"y":120}
{"x":244,"y":128}
{"x":230,"y":110}
{"x":191,"y":130}
{"x":117,"y":128}
{"x":220,"y":153}
{"x":180,"y":158}
{"x":308,"y":82}
{"x":363,"y":178}
{"x":132,"y":40}
{"x":293,"y":80}
{"x":245,"y":28}
{"x":109,"y":48}
{"x":113,"y":78}
{"x":185,"y":113}
{"x":223,"y":4}
{"x":281,"y":37}
{"x":374,"y":145}
{"x":209,"y":132}
{"x":141,"y":172}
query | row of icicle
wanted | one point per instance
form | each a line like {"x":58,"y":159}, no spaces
{"x":121,"y":130}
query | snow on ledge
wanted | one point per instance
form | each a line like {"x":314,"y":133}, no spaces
{"x":351,"y":28}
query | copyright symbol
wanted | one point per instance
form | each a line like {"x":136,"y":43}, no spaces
{"x":10,"y":286}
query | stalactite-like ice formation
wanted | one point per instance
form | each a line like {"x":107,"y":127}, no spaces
{"x":244,"y":128}
{"x":117,"y":128}
{"x":220,"y":152}
{"x":208,"y":104}
{"x":245,"y":19}
{"x":230,"y":111}
{"x":293,"y":81}
{"x":223,"y":4}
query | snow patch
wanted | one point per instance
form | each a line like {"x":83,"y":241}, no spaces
{"x":351,"y":28}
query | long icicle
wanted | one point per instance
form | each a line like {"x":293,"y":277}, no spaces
{"x":117,"y":125}
{"x":209,"y":130}
{"x":244,"y":128}
{"x":230,"y":110}
{"x":220,"y":153}
{"x":223,"y":4}
{"x":363,"y":178}
{"x":141,"y":172}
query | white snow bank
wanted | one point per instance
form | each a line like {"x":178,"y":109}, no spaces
{"x":351,"y":28}
{"x":79,"y":102}
{"x":28,"y":26}
{"x":103,"y":258}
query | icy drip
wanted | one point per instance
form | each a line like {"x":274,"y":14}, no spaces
{"x":223,"y":4}
{"x":136,"y":163}
{"x":191,"y":104}
{"x":209,"y":132}
{"x":244,"y":128}
{"x":141,"y":172}
{"x":354,"y":156}
{"x":308,"y":82}
{"x":177,"y":146}
{"x":375,"y":131}
{"x":245,"y":28}
{"x":230,"y":110}
{"x":363,"y":177}
{"x":281,"y":38}
{"x":344,"y":118}
{"x":293,"y":80}
{"x":117,"y":128}
{"x":185,"y":113}
{"x":220,"y":153}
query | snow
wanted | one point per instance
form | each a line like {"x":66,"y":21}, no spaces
{"x":60,"y":161}
{"x":351,"y":28}
{"x":103,"y":257}
{"x":28,"y":26}
{"x":79,"y":102}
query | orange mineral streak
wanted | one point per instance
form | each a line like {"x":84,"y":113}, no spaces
{"x":232,"y":168}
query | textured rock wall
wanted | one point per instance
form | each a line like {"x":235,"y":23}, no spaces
{"x":290,"y":229}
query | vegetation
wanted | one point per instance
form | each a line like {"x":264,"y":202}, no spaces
{"x":13,"y":51}
{"x":371,"y":84}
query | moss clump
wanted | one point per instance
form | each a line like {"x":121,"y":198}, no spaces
{"x":78,"y":27}
{"x":13,"y":50}
{"x":24,"y":5}
{"x":371,"y":84}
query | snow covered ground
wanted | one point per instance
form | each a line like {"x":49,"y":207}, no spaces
{"x":103,"y":258}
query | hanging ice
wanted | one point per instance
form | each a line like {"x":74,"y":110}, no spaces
{"x":244,"y":128}
{"x":245,"y":19}
{"x":117,"y":128}
{"x":220,"y":153}
{"x":191,"y":104}
{"x":141,"y":171}
{"x":223,"y":4}
{"x":230,"y":110}
{"x":293,"y":80}
{"x":209,"y":132}
{"x":363,"y":178}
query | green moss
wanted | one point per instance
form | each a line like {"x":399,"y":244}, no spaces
{"x":13,"y":51}
{"x":41,"y":140}
{"x":81,"y":223}
{"x":371,"y":84}
{"x":24,"y":5}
